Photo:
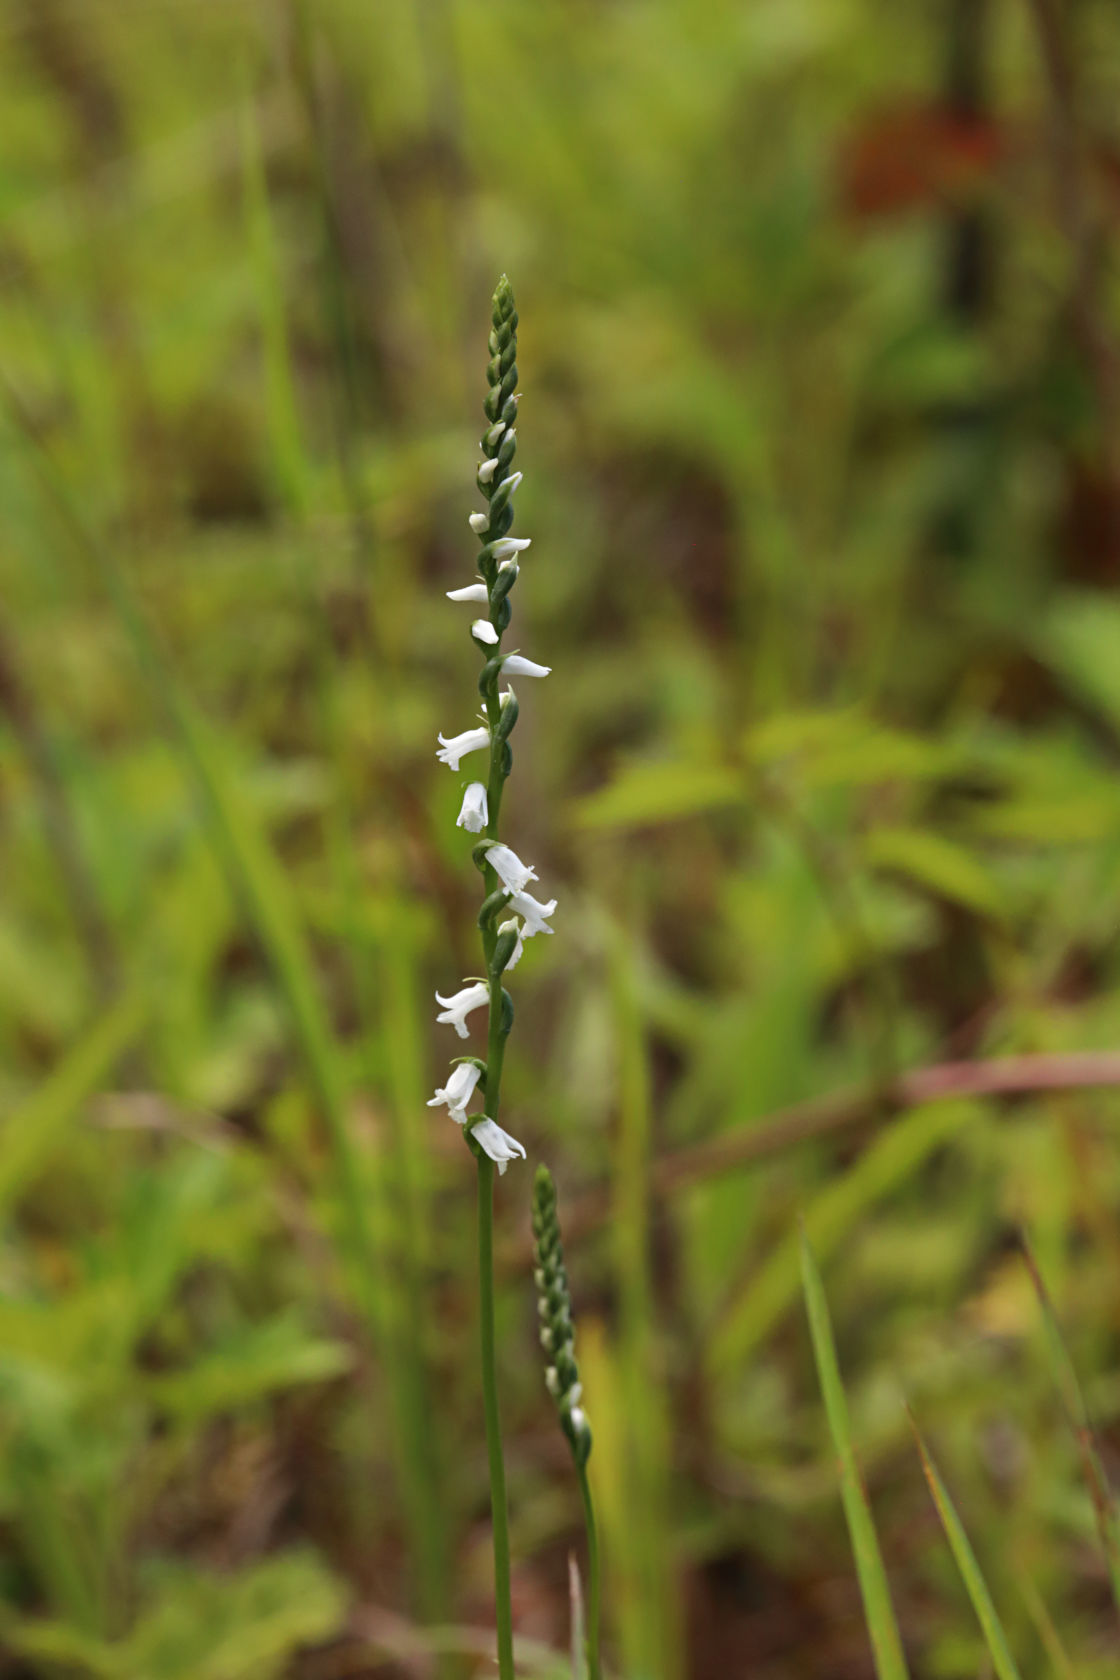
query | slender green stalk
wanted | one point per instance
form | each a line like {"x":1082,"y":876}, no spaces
{"x":504,"y":879}
{"x":498,"y":1505}
{"x":594,"y":1668}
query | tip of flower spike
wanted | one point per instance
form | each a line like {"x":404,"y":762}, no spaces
{"x":503,"y":298}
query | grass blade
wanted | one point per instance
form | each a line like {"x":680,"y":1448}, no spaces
{"x":1077,"y":1416}
{"x":31,"y":1134}
{"x":895,"y":1155}
{"x":890,"y":1664}
{"x":987,"y":1615}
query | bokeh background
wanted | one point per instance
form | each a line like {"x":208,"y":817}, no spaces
{"x":820,"y":432}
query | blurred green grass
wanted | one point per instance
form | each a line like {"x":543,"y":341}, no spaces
{"x":816,"y":433}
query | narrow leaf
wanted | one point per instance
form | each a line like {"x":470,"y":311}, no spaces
{"x":1077,"y":1416}
{"x":890,"y":1664}
{"x":987,"y":1615}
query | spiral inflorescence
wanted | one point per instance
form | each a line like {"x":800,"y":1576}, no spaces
{"x":554,"y":1304}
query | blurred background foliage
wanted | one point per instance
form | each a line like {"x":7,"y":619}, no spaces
{"x":821,"y":434}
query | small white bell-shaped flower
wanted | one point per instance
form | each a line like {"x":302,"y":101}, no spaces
{"x":498,"y":1144}
{"x":458,"y":1091}
{"x":513,"y":874}
{"x":472,"y":592}
{"x":503,"y":927}
{"x":457,"y":1008}
{"x":474,"y":814}
{"x":506,"y":547}
{"x":533,"y":912}
{"x":483,"y":631}
{"x":471,"y":740}
{"x":515,"y":665}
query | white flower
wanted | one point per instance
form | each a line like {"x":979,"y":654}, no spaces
{"x":483,"y":631}
{"x":507,"y":546}
{"x":510,"y":566}
{"x":486,"y":470}
{"x":512,"y":481}
{"x":490,"y":441}
{"x":533,"y":912}
{"x":458,"y":1092}
{"x":498,"y":1144}
{"x":513,"y":874}
{"x":478,"y":522}
{"x":473,"y":592}
{"x":579,"y":1421}
{"x":515,"y":665}
{"x":519,"y":947}
{"x":457,"y":1008}
{"x":474,"y":815}
{"x":460,"y":745}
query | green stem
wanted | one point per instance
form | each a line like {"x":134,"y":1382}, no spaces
{"x":594,"y":1670}
{"x":499,"y":1516}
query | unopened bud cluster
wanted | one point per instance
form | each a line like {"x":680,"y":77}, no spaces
{"x":554,"y":1304}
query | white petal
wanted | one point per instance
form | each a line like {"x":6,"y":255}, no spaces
{"x":497,"y":1144}
{"x":474,"y":814}
{"x":471,"y":740}
{"x":473,"y":592}
{"x":486,"y":470}
{"x":458,"y":1090}
{"x":483,"y":631}
{"x":534,"y":913}
{"x":519,"y":948}
{"x":513,"y":874}
{"x":518,"y":666}
{"x":505,"y":546}
{"x":478,"y":522}
{"x":513,"y":481}
{"x":457,"y":1008}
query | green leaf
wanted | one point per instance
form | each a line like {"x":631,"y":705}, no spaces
{"x":845,"y":749}
{"x":32,"y":1134}
{"x":262,"y":1359}
{"x":994,"y":1637}
{"x":890,"y":1664}
{"x":1080,"y":639}
{"x":655,"y":793}
{"x":939,"y":865}
{"x":895,"y":1156}
{"x":1077,"y":1416}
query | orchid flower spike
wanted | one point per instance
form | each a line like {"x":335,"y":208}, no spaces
{"x":491,"y":593}
{"x":554,"y":1305}
{"x":471,"y":740}
{"x":458,"y":1007}
{"x":498,"y":1144}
